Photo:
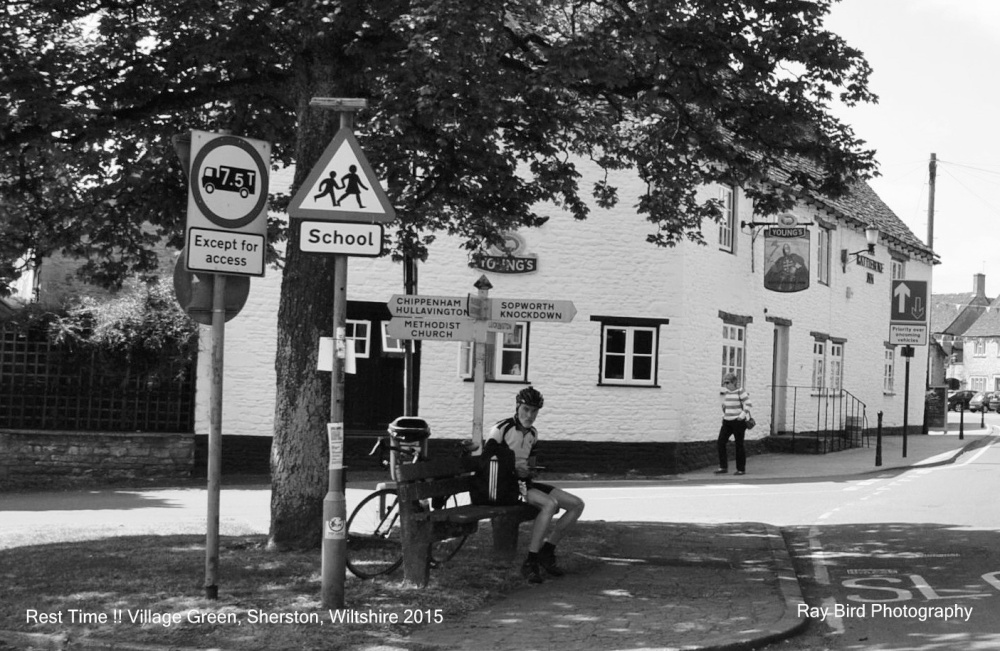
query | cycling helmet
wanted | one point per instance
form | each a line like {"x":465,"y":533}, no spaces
{"x":531,"y":397}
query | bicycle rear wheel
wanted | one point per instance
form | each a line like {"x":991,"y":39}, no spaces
{"x":374,"y":540}
{"x":443,"y":550}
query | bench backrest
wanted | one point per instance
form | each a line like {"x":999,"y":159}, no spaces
{"x":434,"y":478}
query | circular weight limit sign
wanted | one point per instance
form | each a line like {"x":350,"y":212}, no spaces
{"x":229,"y":182}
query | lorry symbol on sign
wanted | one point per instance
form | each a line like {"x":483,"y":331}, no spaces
{"x":229,"y":179}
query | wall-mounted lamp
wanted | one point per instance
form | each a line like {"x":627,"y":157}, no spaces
{"x":871,"y":235}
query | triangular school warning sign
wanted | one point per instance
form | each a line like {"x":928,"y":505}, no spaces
{"x":342,"y":187}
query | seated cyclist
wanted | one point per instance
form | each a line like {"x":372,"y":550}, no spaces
{"x":520,"y":435}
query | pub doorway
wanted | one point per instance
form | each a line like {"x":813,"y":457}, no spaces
{"x":374,"y":393}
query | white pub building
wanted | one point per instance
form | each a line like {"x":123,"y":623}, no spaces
{"x":798,"y":306}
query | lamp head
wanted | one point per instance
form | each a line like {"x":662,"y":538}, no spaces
{"x":871,"y":234}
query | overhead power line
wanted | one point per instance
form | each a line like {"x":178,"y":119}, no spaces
{"x":971,"y":167}
{"x":986,"y":203}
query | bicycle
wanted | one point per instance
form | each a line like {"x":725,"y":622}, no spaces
{"x":374,"y":540}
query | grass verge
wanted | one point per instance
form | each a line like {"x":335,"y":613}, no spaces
{"x":148,"y":590}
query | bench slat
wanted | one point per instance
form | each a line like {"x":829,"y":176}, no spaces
{"x":425,"y":490}
{"x":434,"y":468}
{"x":475,"y":513}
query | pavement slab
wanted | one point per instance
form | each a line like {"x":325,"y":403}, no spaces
{"x":666,"y":586}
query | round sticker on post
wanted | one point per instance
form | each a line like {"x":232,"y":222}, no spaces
{"x":335,"y":529}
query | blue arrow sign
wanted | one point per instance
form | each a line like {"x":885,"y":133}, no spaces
{"x":908,"y":301}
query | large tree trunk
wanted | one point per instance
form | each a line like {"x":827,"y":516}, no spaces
{"x":299,"y":451}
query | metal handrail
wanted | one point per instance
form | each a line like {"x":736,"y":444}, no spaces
{"x":835,"y":418}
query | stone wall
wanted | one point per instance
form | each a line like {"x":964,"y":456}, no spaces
{"x":36,"y":459}
{"x":249,"y":455}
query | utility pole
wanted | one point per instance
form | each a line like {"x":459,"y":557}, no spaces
{"x":931,"y":181}
{"x":932,"y":169}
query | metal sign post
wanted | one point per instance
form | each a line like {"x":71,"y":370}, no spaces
{"x":334,"y":563}
{"x":360,"y":235}
{"x":215,"y":437}
{"x":226,"y":234}
{"x":483,"y":286}
{"x":334,"y":558}
{"x":908,"y":328}
{"x":906,"y":352}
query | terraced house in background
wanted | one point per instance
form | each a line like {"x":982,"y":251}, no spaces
{"x":967,"y":328}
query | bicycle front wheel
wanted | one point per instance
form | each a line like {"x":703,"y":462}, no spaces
{"x":374,"y":539}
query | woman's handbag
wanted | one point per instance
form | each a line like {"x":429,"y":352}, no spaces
{"x":751,"y":423}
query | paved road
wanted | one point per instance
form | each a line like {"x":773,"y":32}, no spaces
{"x":245,"y":509}
{"x":908,"y":560}
{"x":90,"y":514}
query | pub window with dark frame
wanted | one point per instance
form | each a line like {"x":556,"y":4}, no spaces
{"x":629,"y":351}
{"x":506,"y":356}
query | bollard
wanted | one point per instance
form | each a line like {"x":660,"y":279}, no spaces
{"x":878,"y":441}
{"x":982,"y":417}
{"x":961,"y":422}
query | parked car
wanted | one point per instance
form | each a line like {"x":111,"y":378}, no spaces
{"x":960,"y":399}
{"x":981,"y":401}
{"x":994,"y":403}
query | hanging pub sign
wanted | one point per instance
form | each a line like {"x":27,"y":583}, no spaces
{"x":786,"y":256}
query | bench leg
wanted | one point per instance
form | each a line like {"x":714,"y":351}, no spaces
{"x":505,"y":528}
{"x":417,"y":553}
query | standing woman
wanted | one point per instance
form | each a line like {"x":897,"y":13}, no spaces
{"x":735,"y":411}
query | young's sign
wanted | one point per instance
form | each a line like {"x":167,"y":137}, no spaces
{"x":786,"y":259}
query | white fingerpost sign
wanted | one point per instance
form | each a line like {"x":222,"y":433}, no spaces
{"x":518,"y":309}
{"x":422,"y":305}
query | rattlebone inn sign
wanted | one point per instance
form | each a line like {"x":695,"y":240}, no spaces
{"x":786,"y":256}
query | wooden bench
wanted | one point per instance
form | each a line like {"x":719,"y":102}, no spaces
{"x":419,"y":484}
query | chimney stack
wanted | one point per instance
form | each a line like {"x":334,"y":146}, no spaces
{"x":979,"y":284}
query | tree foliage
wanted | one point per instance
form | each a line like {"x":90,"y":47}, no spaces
{"x":141,"y":331}
{"x":473,"y":109}
{"x":479,"y":114}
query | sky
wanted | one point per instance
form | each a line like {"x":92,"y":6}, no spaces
{"x":936,"y":70}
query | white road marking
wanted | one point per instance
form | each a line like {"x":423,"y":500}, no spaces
{"x":832,"y":620}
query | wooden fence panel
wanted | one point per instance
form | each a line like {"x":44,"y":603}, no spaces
{"x":43,"y":387}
